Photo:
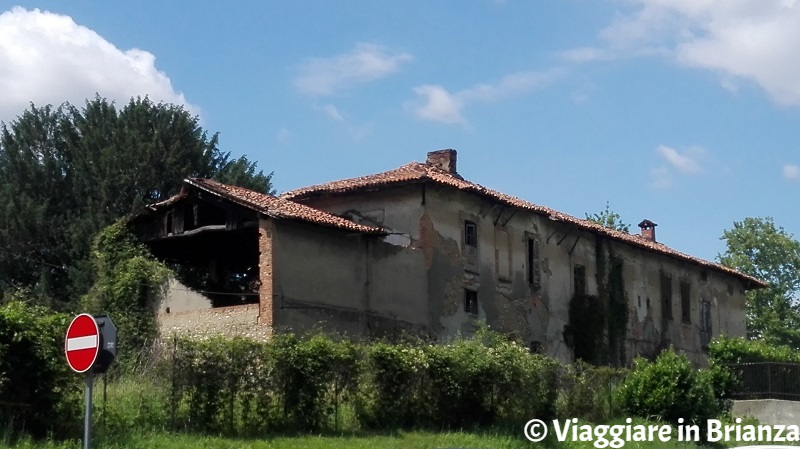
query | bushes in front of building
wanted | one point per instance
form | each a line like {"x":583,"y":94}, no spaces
{"x":36,"y":385}
{"x":670,"y":388}
{"x":238,"y":386}
{"x":727,"y":350}
{"x":481,"y":381}
{"x":290,"y":384}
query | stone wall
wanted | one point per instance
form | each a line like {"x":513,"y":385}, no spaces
{"x":768,"y":411}
{"x":235,"y":321}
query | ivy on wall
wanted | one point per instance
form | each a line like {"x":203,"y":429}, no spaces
{"x":597,"y":326}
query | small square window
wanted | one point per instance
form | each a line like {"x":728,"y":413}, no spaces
{"x":471,"y":301}
{"x":470,"y":234}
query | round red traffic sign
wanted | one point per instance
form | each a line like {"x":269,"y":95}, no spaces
{"x":82,"y":343}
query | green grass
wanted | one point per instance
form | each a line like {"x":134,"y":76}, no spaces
{"x":400,"y":440}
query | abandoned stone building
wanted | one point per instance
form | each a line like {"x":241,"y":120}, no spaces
{"x":420,"y":249}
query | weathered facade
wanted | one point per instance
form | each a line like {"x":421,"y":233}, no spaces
{"x":421,"y":249}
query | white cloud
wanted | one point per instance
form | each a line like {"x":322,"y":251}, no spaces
{"x":675,"y":163}
{"x":438,"y":105}
{"x":47,"y":59}
{"x":688,"y":162}
{"x":751,"y":40}
{"x":365,"y":63}
{"x":791,"y":172}
{"x":331,"y":111}
{"x":435,"y":103}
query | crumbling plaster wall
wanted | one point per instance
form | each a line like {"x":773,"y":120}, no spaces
{"x":350,"y":283}
{"x":497,"y":271}
{"x":433,"y":218}
{"x":396,"y":274}
{"x":512,"y":305}
{"x":180,"y":298}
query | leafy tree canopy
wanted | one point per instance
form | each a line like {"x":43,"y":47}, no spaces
{"x":609,"y":219}
{"x":67,"y":172}
{"x":756,"y":246}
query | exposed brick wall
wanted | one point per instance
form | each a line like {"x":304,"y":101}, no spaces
{"x":266,"y":233}
{"x":234,"y":321}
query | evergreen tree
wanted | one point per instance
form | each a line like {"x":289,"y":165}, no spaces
{"x":67,"y":172}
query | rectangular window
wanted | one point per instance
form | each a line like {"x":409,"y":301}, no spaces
{"x":579,"y":279}
{"x":471,"y":301}
{"x":686,"y":304}
{"x":470,"y":234}
{"x":666,"y":295}
{"x":705,"y":323}
{"x":502,"y":254}
{"x":533,"y":262}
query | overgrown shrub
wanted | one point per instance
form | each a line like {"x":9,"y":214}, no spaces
{"x":486,"y":380}
{"x":238,"y":386}
{"x":668,"y":389}
{"x":388,"y":387}
{"x":39,"y":395}
{"x":588,"y":392}
{"x":726,"y":350}
{"x":309,"y":378}
{"x":128,"y":286}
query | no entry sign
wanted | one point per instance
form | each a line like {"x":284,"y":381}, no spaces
{"x":83,"y":343}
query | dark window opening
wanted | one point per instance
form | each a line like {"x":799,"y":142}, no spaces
{"x":579,"y":279}
{"x":470,"y":234}
{"x":471,"y":301}
{"x":536,"y":347}
{"x":686,"y":313}
{"x":666,"y":295}
{"x":533,"y":262}
{"x":705,"y":324}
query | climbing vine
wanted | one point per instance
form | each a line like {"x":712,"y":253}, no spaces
{"x":597,"y":326}
{"x":128,"y":286}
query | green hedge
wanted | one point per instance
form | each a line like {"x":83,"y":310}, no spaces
{"x":288,"y":384}
{"x":671,"y":388}
{"x":39,"y":394}
{"x":726,"y":350}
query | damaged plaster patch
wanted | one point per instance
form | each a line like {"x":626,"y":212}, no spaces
{"x":431,"y":241}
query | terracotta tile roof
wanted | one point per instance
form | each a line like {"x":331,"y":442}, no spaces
{"x":272,"y":206}
{"x":419,"y":172}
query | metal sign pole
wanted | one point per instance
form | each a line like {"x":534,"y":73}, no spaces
{"x":87,"y":418}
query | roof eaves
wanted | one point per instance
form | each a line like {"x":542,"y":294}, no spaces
{"x":332,"y":221}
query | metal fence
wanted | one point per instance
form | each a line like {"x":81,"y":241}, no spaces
{"x":767,"y":380}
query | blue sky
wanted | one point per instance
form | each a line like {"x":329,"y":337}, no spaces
{"x":685,"y":112}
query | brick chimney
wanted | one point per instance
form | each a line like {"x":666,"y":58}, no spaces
{"x":444,"y":159}
{"x":648,"y":229}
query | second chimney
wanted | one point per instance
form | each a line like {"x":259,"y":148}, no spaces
{"x":648,"y":229}
{"x":444,"y":159}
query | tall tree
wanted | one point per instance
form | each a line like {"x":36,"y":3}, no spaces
{"x":609,"y":219}
{"x":756,"y":246}
{"x":67,"y":172}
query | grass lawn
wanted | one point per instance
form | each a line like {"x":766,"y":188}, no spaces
{"x":401,"y":440}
